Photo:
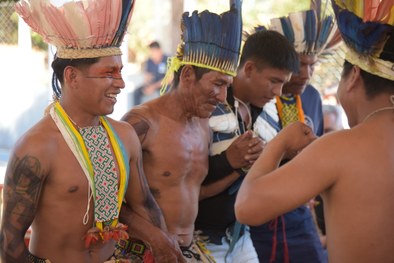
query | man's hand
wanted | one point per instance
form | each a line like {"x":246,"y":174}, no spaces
{"x":244,"y":150}
{"x":256,"y":146}
{"x":295,"y":137}
{"x":165,"y":249}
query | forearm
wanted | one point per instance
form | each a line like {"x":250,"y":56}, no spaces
{"x":139,"y":227}
{"x":217,"y":187}
{"x":268,"y":161}
{"x":12,"y":249}
{"x":12,"y":242}
{"x":219,"y":168}
{"x":152,"y":212}
{"x":23,"y":184}
{"x":10,"y":256}
{"x":250,"y":194}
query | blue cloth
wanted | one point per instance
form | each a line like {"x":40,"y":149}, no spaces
{"x":302,"y":237}
{"x":158,"y":71}
{"x":243,"y":251}
{"x":312,"y":106}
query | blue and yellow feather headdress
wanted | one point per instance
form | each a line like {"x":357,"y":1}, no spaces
{"x":312,"y":32}
{"x":367,"y":28}
{"x":79,"y":29}
{"x":210,"y":41}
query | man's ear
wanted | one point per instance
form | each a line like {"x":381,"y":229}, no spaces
{"x":354,"y":78}
{"x":70,"y":74}
{"x":248,"y":68}
{"x":187,"y":74}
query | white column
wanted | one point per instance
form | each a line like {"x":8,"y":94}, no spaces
{"x":189,"y":5}
{"x":24,"y":39}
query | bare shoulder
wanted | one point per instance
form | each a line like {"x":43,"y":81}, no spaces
{"x":125,"y":131}
{"x":326,"y":155}
{"x":144,"y":111}
{"x":344,"y":144}
{"x":143,"y":118}
{"x":37,"y":147}
{"x":121,"y":126}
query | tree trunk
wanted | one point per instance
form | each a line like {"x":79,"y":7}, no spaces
{"x":177,"y":11}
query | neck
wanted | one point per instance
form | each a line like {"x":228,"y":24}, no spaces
{"x":387,"y":108}
{"x":176,"y":106}
{"x":239,"y":91}
{"x":80,"y":120}
{"x":289,"y":95}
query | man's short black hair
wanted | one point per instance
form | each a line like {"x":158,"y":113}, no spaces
{"x":58,"y":66}
{"x":154,"y":44}
{"x":199,"y":71}
{"x":374,"y":84}
{"x":270,"y":48}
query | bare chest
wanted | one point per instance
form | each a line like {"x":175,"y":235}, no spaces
{"x":178,"y":151}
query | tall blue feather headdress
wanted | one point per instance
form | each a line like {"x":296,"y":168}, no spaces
{"x":79,"y":29}
{"x":312,"y":32}
{"x":367,"y":28}
{"x":209,"y":41}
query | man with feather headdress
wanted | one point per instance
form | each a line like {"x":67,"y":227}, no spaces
{"x":352,"y":169}
{"x":173,"y":129}
{"x":72,"y":171}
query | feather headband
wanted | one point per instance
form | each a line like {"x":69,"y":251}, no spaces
{"x":79,"y":29}
{"x":367,"y":28}
{"x":209,"y":41}
{"x":312,"y":32}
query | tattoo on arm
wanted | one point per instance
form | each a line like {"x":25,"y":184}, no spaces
{"x":149,"y":202}
{"x":21,"y":195}
{"x":139,"y":123}
{"x":155,"y":192}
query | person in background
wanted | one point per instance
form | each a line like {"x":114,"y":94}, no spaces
{"x":293,"y":237}
{"x":266,"y":63}
{"x":352,"y":168}
{"x":154,"y":70}
{"x":70,"y":173}
{"x":173,"y":129}
{"x":332,"y":117}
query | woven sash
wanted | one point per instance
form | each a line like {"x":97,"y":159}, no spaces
{"x":105,"y":175}
{"x":290,"y":109}
{"x":90,"y":168}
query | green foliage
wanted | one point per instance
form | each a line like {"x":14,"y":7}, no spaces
{"x":38,"y":42}
{"x":9,"y":27}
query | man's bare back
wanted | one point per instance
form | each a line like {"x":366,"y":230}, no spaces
{"x":360,"y":205}
{"x":354,"y":171}
{"x":175,"y":160}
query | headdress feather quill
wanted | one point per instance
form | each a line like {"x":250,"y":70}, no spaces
{"x":367,"y":27}
{"x":311,"y":31}
{"x":210,"y":41}
{"x":127,"y":11}
{"x":79,"y":29}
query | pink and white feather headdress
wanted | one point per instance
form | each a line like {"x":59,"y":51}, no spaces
{"x":79,"y":29}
